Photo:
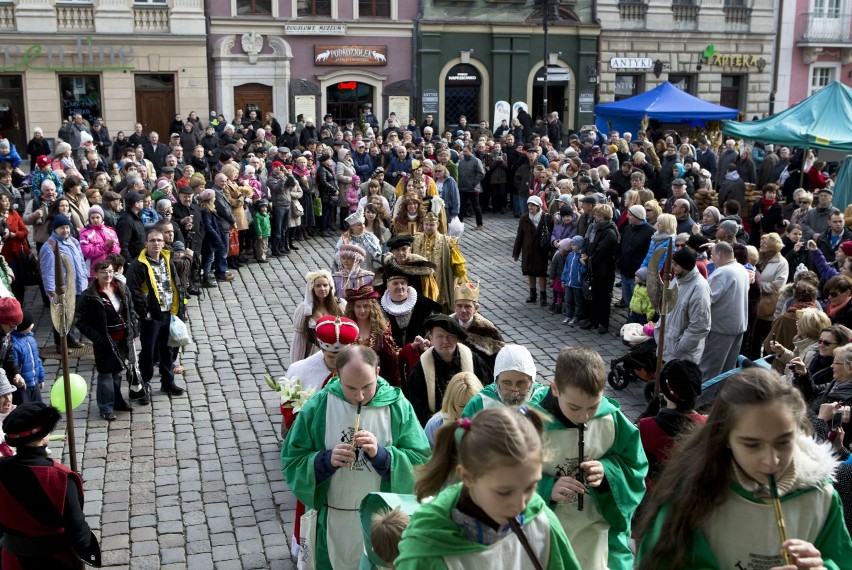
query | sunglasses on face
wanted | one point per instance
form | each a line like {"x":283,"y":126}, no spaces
{"x":823,"y":342}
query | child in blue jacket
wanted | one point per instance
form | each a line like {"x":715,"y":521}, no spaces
{"x":25,"y":349}
{"x":572,"y":278}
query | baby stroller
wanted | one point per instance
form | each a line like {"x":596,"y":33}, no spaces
{"x":642,"y":354}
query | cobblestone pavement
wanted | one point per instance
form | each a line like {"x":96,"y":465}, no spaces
{"x":195,"y":481}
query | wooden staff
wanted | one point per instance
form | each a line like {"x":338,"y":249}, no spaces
{"x":582,"y":474}
{"x":779,"y":517}
{"x":667,"y":279}
{"x":64,"y":326}
{"x":357,"y":427}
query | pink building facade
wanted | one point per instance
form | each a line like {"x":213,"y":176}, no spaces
{"x":816,"y":48}
{"x":312,"y":57}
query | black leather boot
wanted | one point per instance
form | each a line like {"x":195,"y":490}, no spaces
{"x":291,"y":237}
{"x":532,"y":297}
{"x":543,"y":299}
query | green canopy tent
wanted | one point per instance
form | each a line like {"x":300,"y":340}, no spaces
{"x":823,"y":120}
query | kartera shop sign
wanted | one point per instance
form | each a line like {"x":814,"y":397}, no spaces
{"x":631,"y":63}
{"x":713,"y":57}
{"x":84,"y":56}
{"x":350,"y":55}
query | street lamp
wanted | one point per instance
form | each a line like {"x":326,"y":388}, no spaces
{"x":549,"y":9}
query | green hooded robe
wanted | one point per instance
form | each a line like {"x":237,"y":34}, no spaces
{"x":307,"y":437}
{"x":489,"y":397}
{"x":432,"y":535}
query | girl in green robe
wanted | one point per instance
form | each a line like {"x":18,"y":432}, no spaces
{"x":712,"y":508}
{"x":484,"y":521}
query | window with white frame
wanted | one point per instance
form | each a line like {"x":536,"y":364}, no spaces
{"x":822,"y":75}
{"x":150,"y":2}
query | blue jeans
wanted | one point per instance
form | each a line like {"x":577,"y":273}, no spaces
{"x":280,"y":222}
{"x":574,"y":303}
{"x":214,"y":256}
{"x":154,"y":335}
{"x":519,"y":205}
{"x":109,"y":392}
{"x":627,"y":286}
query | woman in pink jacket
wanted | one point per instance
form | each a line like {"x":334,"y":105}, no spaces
{"x":97,"y":240}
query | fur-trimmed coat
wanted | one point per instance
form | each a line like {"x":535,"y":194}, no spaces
{"x":483,"y":338}
{"x":418,"y":269}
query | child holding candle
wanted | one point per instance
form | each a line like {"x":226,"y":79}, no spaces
{"x":610,"y":474}
{"x":713,"y":508}
{"x":493,"y":518}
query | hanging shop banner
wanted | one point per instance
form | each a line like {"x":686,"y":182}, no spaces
{"x":429,"y":101}
{"x":350,"y":55}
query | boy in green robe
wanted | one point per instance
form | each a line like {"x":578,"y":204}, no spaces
{"x":330,"y":466}
{"x":594,"y":496}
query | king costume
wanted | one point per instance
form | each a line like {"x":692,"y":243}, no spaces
{"x":449,"y":263}
{"x":336,"y":493}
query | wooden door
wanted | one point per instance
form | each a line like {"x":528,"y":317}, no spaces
{"x":13,"y":124}
{"x":156,"y":110}
{"x":253,"y":97}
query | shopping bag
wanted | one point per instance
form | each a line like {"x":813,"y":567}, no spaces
{"x":307,"y":541}
{"x":178,"y":333}
{"x":234,"y":242}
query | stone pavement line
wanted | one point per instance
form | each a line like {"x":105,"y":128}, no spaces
{"x":195,"y":481}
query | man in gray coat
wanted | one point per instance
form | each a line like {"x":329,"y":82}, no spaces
{"x":728,"y":312}
{"x":688,"y":323}
{"x":471,"y":173}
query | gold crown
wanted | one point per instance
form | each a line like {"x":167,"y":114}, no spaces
{"x":431,"y":217}
{"x":467,"y":291}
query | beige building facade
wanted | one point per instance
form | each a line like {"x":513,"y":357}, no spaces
{"x":729,"y":61}
{"x":119,"y":60}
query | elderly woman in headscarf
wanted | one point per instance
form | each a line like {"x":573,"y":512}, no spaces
{"x":710,"y":222}
{"x":319,"y":301}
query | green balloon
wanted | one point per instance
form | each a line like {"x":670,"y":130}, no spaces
{"x":79,"y":388}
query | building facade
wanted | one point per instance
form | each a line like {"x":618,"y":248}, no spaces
{"x":815,"y":48}
{"x":476,"y":56}
{"x":115,"y":59}
{"x":312,"y":57}
{"x":718,"y":50}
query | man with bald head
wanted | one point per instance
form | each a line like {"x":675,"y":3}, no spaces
{"x":681,"y":211}
{"x":728,"y":312}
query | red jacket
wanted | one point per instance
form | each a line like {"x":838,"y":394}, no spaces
{"x":13,"y":246}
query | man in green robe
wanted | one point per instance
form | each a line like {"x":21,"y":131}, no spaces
{"x":357,"y":435}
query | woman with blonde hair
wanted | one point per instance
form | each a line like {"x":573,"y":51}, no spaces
{"x":319,"y":301}
{"x":652,"y":210}
{"x":236,"y":196}
{"x":462,"y":387}
{"x":810,"y":323}
{"x":773,"y":270}
{"x":666,"y":225}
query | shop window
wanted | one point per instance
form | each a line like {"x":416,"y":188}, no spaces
{"x":374,"y":8}
{"x":821,"y":75}
{"x":627,"y":86}
{"x":685,"y":83}
{"x":733,"y":91}
{"x":345,"y":100}
{"x":462,"y":94}
{"x":314,"y":8}
{"x":254,"y":7}
{"x":80,"y":94}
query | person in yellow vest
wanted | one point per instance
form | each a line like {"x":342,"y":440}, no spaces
{"x":444,"y":252}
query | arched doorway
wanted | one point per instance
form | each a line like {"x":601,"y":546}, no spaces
{"x":253,"y":97}
{"x":345,"y":99}
{"x":557,"y":87}
{"x":462,"y":95}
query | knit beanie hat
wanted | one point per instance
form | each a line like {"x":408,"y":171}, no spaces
{"x":565,"y":244}
{"x":10,"y":312}
{"x":685,"y":257}
{"x":578,"y":241}
{"x":95,"y":210}
{"x":730,"y":227}
{"x":59,"y":221}
{"x":642,"y":274}
{"x":638,"y":211}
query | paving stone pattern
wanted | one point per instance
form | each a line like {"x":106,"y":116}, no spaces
{"x":195,"y":481}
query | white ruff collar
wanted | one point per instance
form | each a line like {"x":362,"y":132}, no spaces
{"x":399,"y":309}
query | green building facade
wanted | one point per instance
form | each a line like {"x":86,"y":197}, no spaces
{"x":472,"y":55}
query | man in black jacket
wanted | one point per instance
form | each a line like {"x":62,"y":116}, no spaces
{"x":130,"y":229}
{"x":157,"y":295}
{"x":156,"y":152}
{"x":635,"y":240}
{"x":188,"y":215}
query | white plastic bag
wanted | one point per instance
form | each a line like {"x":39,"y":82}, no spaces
{"x":306,"y":559}
{"x":455,"y":228}
{"x":178,"y":333}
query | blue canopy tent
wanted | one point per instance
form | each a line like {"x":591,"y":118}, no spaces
{"x":665,"y":103}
